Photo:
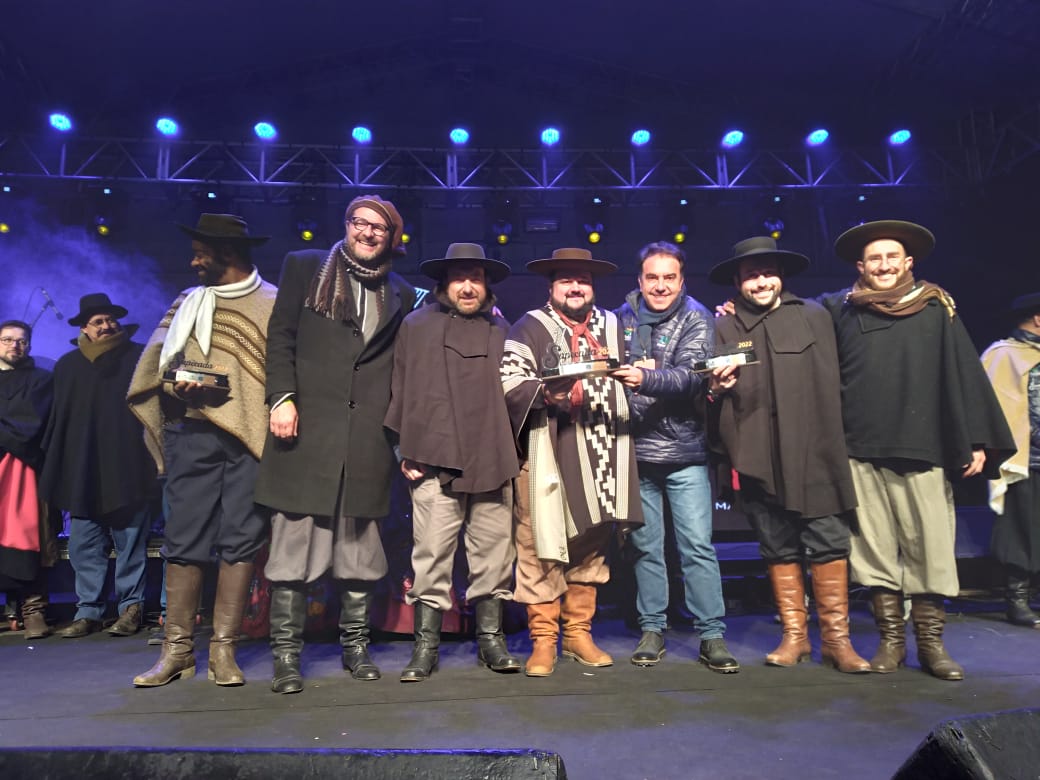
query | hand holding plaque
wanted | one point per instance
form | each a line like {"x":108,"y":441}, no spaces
{"x":557,"y":363}
{"x":740,"y":354}
{"x":193,"y":372}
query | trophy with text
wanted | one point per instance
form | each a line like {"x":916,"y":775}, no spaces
{"x":740,"y":354}
{"x":206,"y":374}
{"x":560,"y":363}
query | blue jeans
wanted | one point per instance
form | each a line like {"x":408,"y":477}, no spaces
{"x":88,"y":554}
{"x":689,"y":495}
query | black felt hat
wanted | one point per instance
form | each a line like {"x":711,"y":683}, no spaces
{"x":790,"y":263}
{"x":494,"y":270}
{"x":918,"y":241}
{"x":96,"y":303}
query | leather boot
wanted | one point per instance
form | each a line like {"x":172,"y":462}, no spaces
{"x":427,"y":643}
{"x":491,"y":642}
{"x":929,"y":616}
{"x":831,"y":589}
{"x":34,"y":615}
{"x":177,"y":659}
{"x":354,"y":604}
{"x":888,"y":617}
{"x":579,"y":605}
{"x":1016,"y":593}
{"x":233,"y":584}
{"x":789,"y":593}
{"x":543,"y":624}
{"x":288,"y":613}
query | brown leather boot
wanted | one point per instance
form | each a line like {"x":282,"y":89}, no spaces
{"x":789,"y":594}
{"x":888,"y":617}
{"x":579,"y":605}
{"x":230,"y":604}
{"x":34,"y":615}
{"x":177,"y":659}
{"x":831,"y":588}
{"x":543,"y":623}
{"x":929,"y":617}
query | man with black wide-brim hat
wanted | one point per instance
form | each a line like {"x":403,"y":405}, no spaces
{"x":780,"y":427}
{"x":1013,"y":366}
{"x":578,"y":475}
{"x":199,"y":390}
{"x":456,"y":446}
{"x":916,"y":405}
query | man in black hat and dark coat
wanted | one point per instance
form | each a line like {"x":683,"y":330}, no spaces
{"x":449,"y":414}
{"x":1013,"y":366}
{"x":98,"y":469}
{"x":780,"y":427}
{"x":917,"y":407}
{"x":328,"y":463}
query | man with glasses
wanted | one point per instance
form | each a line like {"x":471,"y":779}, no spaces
{"x":97,"y":468}
{"x":25,"y":545}
{"x":327,"y":466}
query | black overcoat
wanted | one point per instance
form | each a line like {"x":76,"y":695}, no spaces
{"x":342,"y":390}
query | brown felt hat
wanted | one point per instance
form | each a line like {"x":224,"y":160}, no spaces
{"x":571,"y":258}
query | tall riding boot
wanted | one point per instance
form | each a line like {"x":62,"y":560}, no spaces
{"x":929,"y":616}
{"x":34,"y":607}
{"x":1016,"y":592}
{"x":543,"y":624}
{"x":888,"y":617}
{"x":789,"y":594}
{"x":493,"y":652}
{"x":579,"y":605}
{"x":427,"y":643}
{"x":354,"y":603}
{"x":288,"y":613}
{"x":233,"y":584}
{"x":831,"y":589}
{"x":177,"y":660}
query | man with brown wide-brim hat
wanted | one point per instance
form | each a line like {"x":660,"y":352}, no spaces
{"x":916,"y":406}
{"x":447,"y":409}
{"x":1013,"y":366}
{"x":570,"y":419}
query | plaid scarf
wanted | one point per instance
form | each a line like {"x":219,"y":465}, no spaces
{"x":903,"y":300}
{"x":329,"y":292}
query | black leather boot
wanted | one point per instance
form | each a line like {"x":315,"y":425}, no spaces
{"x":288,"y":613}
{"x":929,"y":616}
{"x":491,"y":642}
{"x":1016,"y":593}
{"x":427,"y":643}
{"x":354,"y":602}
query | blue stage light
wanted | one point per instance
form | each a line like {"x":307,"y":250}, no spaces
{"x":640,"y":138}
{"x":733,"y":138}
{"x":265,"y":131}
{"x":211,"y":195}
{"x":361,"y":134}
{"x":459,"y":136}
{"x":817,"y":137}
{"x":60,"y":122}
{"x":550,"y":136}
{"x":899,"y":137}
{"x":167,"y":126}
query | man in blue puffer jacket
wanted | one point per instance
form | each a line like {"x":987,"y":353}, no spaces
{"x":666,"y":331}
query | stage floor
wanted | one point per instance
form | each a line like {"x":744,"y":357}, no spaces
{"x":677,"y":720}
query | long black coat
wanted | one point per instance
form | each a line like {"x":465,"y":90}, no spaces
{"x":26,"y":394}
{"x":96,"y":461}
{"x":342,"y":390}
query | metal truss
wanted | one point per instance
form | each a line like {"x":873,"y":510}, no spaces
{"x":281,"y":172}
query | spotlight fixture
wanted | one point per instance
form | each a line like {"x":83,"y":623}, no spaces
{"x":60,"y":122}
{"x":679,"y":236}
{"x":361,"y":134}
{"x":899,"y":137}
{"x":594,"y":232}
{"x":550,"y":136}
{"x":459,"y":136}
{"x":640,"y":138}
{"x":733,"y":138}
{"x":817,"y":137}
{"x":502,"y":232}
{"x":775,"y":228}
{"x":168,"y":127}
{"x":102,"y":226}
{"x":306,"y":229}
{"x":265,"y":131}
{"x":5,"y":228}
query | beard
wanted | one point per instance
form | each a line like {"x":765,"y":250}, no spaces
{"x":576,"y":313}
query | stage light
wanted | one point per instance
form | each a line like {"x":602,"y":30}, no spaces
{"x":459,"y":136}
{"x":167,"y":126}
{"x":502,"y":231}
{"x":106,"y":191}
{"x":777,"y":199}
{"x":102,"y":226}
{"x":4,"y":227}
{"x":7,"y":188}
{"x":597,"y":200}
{"x":683,"y":202}
{"x":899,"y":137}
{"x":60,"y":122}
{"x":861,"y":198}
{"x":775,"y":228}
{"x":306,"y":229}
{"x":211,"y":195}
{"x":640,"y":138}
{"x":733,"y":138}
{"x":817,"y":137}
{"x":361,"y":134}
{"x":265,"y":131}
{"x":679,"y":236}
{"x":550,"y":136}
{"x":594,"y":233}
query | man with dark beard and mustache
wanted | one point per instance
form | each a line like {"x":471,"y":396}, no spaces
{"x":578,"y":472}
{"x":327,"y":465}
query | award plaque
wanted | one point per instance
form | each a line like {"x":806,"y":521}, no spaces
{"x":741,"y":354}
{"x":205,"y":374}
{"x":558,"y":363}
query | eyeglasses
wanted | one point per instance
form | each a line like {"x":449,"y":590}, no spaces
{"x":361,"y":225}
{"x":8,"y":341}
{"x":101,"y":322}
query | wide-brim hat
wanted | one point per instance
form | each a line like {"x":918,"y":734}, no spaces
{"x":494,"y":270}
{"x":790,"y":263}
{"x":1025,"y":305}
{"x":571,"y":258}
{"x":96,"y":303}
{"x":917,"y":240}
{"x":223,"y":227}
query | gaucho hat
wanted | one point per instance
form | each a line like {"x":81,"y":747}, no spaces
{"x":95,"y":303}
{"x":918,"y":241}
{"x":223,"y":227}
{"x":571,"y":258}
{"x":494,"y":270}
{"x":790,"y":263}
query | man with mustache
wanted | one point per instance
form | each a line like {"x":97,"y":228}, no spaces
{"x":449,"y":414}
{"x":98,"y":469}
{"x":578,"y":477}
{"x":328,"y":464}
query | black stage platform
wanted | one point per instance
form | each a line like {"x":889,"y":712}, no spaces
{"x":677,"y":720}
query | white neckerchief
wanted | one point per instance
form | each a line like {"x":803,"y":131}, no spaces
{"x":195,"y":314}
